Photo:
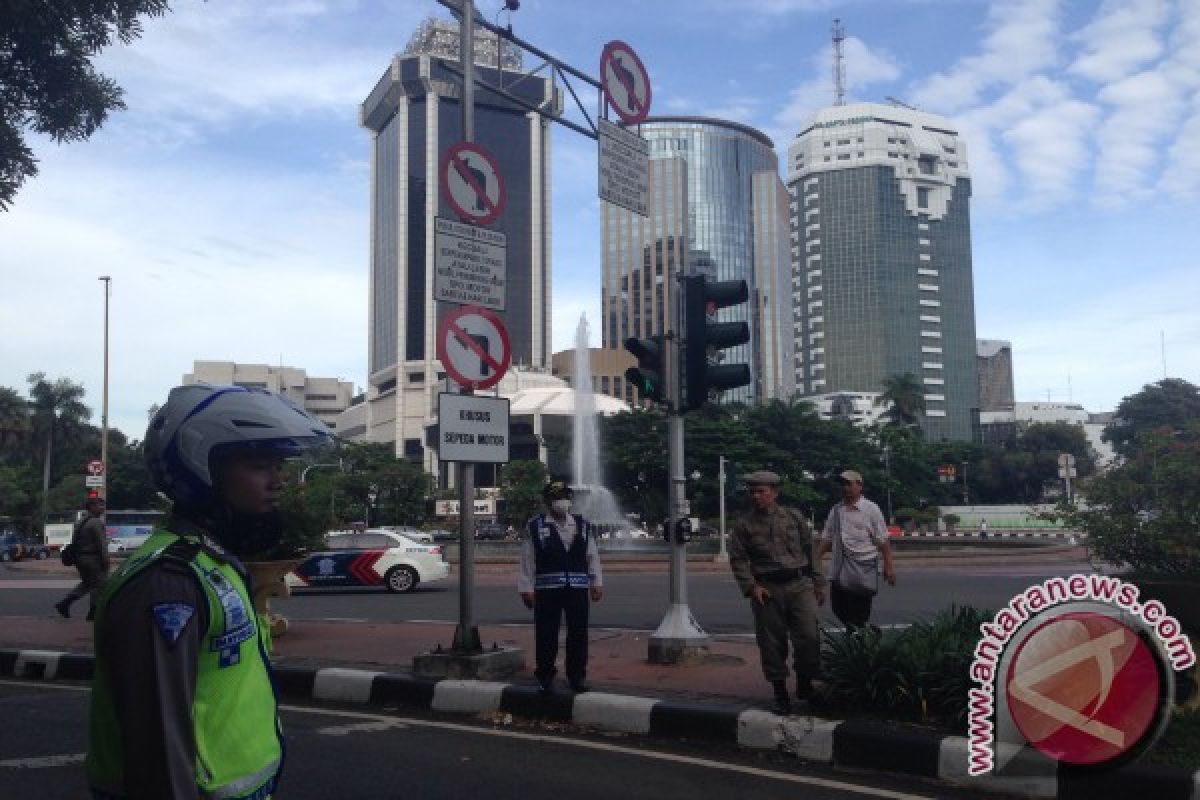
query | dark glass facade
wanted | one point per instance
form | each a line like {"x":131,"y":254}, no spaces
{"x":702,"y":181}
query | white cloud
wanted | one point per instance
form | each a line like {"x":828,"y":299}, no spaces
{"x":1023,"y":40}
{"x":1123,"y":37}
{"x":864,"y":67}
{"x":1050,"y":140}
{"x":1146,"y":106}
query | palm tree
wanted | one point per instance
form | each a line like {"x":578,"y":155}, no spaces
{"x":15,"y":426}
{"x":57,"y":412}
{"x":905,"y":397}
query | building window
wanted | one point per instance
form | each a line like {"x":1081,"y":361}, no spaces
{"x":413,"y":449}
{"x":922,"y":197}
{"x":843,"y":141}
{"x":387,"y":385}
{"x":927,"y":165}
{"x":941,"y":398}
{"x":930,"y":303}
{"x":416,"y":377}
{"x":935,"y":412}
{"x":933,"y":381}
{"x":931,"y":350}
{"x":930,"y":365}
{"x":842,"y":157}
{"x":932,"y":334}
{"x":930,"y":318}
{"x":927,"y":287}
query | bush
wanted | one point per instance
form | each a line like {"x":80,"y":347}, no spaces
{"x":922,"y":673}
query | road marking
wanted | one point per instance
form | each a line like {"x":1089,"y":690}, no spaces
{"x":26,"y":583}
{"x":42,"y":762}
{"x":629,"y":751}
{"x":362,"y":727}
{"x":408,"y":722}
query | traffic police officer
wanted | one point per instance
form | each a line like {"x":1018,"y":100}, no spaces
{"x":771,"y":554}
{"x":182,"y":698}
{"x":560,"y":572}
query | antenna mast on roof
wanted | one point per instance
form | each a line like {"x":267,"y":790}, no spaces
{"x":839,"y":64}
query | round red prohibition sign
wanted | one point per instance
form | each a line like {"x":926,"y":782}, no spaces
{"x":625,"y":82}
{"x":474,"y":347}
{"x":472,"y":183}
{"x":1085,"y":689}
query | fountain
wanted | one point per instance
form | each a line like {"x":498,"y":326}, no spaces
{"x":592,"y":499}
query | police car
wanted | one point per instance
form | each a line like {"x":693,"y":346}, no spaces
{"x":371,"y":558}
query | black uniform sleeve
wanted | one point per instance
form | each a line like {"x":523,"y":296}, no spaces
{"x":152,"y":646}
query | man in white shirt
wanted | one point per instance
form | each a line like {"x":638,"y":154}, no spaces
{"x":856,"y":533}
{"x":559,"y":575}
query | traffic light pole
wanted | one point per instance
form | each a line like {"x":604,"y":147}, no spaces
{"x":678,"y":635}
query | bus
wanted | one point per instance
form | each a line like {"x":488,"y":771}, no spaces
{"x":126,"y":529}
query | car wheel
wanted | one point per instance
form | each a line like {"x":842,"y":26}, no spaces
{"x":401,"y":579}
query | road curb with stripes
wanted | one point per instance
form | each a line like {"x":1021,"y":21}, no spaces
{"x":859,"y":744}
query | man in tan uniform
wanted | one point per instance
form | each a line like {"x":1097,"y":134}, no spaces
{"x":771,"y":554}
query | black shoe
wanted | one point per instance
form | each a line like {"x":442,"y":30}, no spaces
{"x":62,"y":608}
{"x":545,"y":686}
{"x":579,"y":687}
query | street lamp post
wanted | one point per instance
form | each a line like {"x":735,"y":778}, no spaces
{"x":966,"y":500}
{"x":723,"y":552}
{"x":887,"y":466}
{"x":104,"y":408}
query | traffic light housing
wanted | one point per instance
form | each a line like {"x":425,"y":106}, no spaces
{"x":648,"y":376}
{"x":701,"y":299}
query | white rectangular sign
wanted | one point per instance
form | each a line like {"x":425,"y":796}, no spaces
{"x":624,"y":167}
{"x":485,"y":507}
{"x":473,"y":428}
{"x":469,"y":265}
{"x":93,"y":481}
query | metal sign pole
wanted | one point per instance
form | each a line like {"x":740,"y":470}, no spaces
{"x":723,"y":553}
{"x":466,"y":636}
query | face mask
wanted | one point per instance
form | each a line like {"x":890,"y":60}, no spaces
{"x":561,"y":507}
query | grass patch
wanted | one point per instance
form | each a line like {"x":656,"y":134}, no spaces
{"x":1180,"y":744}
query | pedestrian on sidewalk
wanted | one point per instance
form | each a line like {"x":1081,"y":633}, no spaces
{"x":771,"y":555}
{"x":560,"y":575}
{"x":182,"y":697}
{"x":89,"y":547}
{"x":855,"y":532}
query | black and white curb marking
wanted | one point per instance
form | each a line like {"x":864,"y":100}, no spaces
{"x":851,"y":743}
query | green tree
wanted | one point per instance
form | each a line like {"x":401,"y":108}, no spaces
{"x":128,"y":481}
{"x":48,"y":83}
{"x":1171,"y":403}
{"x":15,"y":426}
{"x":521,"y":485}
{"x":905,"y":397}
{"x":1145,"y":512}
{"x":633,"y":448}
{"x":59,"y":418}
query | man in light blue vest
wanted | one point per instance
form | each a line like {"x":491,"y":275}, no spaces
{"x":183,"y":705}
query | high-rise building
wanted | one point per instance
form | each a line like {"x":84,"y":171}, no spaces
{"x":881,"y":248}
{"x":993,"y":359}
{"x":717,"y":208}
{"x":414,"y":115}
{"x":324,"y":398}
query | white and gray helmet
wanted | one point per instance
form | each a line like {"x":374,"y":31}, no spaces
{"x":200,"y":424}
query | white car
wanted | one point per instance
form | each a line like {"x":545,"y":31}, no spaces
{"x":371,"y":558}
{"x":404,"y":530}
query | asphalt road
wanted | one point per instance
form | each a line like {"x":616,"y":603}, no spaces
{"x":633,"y":600}
{"x":346,"y":754}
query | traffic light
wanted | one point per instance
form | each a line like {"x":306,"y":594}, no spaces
{"x":701,"y":299}
{"x":647,"y":376}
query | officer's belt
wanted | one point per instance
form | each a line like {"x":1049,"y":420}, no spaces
{"x":783,"y":575}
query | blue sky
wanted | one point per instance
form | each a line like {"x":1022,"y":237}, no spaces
{"x":230,"y":201}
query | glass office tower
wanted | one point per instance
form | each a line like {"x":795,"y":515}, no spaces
{"x":413,"y":114}
{"x":881,"y":252}
{"x":717,"y":207}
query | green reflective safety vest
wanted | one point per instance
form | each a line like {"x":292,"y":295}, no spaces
{"x":239,"y":744}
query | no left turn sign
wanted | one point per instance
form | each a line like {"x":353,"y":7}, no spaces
{"x":625,"y":81}
{"x":472,"y":183}
{"x":474,"y":347}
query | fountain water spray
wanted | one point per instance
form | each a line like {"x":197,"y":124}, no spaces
{"x":595,"y":502}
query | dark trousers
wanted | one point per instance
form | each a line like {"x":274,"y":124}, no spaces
{"x":91,"y":581}
{"x":549,"y":607}
{"x":851,"y":608}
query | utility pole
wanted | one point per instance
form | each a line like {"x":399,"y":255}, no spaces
{"x":466,"y":636}
{"x":722,"y":553}
{"x":966,"y":500}
{"x":104,"y":408}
